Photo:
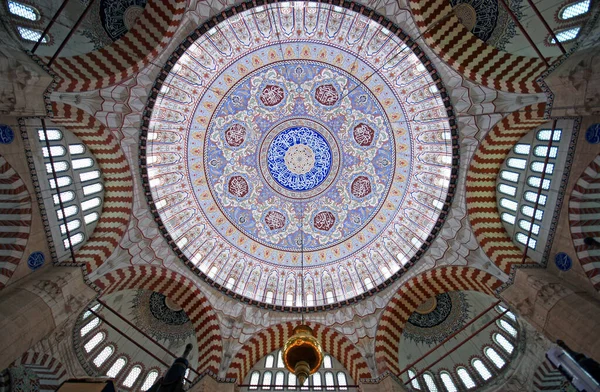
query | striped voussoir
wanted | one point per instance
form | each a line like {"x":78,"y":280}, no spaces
{"x":274,"y":337}
{"x":415,"y":292}
{"x":118,"y":184}
{"x":548,"y":378}
{"x":116,"y":62}
{"x":184,"y":293}
{"x":470,"y":56}
{"x":50,"y":372}
{"x":481,"y":185}
{"x":584,"y":219}
{"x":15,"y":220}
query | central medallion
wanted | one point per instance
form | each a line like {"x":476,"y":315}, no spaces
{"x":299,"y":158}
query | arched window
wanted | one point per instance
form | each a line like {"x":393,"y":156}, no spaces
{"x":254,"y":380}
{"x":448,"y":383}
{"x":505,"y":325}
{"x":32,"y":35}
{"x":81,"y":189}
{"x":342,"y":381}
{"x":280,"y":360}
{"x":501,"y":341}
{"x":429,"y":382}
{"x":150,"y":380}
{"x":269,"y":297}
{"x":465,"y":378}
{"x":482,"y":369}
{"x":329,"y":381}
{"x":103,"y":356}
{"x":494,"y":357}
{"x":270,"y":361}
{"x":292,"y":380}
{"x":87,"y":313}
{"x":327,"y":363}
{"x":23,"y":11}
{"x":518,"y":185}
{"x":94,"y":341}
{"x":279,"y":380}
{"x":415,"y":381}
{"x":133,"y":375}
{"x":316,"y":381}
{"x":565,"y":35}
{"x":89,"y":326}
{"x":574,"y":10}
{"x":266,"y":381}
{"x":116,"y":368}
{"x":329,"y":297}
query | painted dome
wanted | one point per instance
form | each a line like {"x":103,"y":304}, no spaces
{"x":298,"y":137}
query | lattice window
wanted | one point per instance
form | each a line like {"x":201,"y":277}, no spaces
{"x":565,"y":35}
{"x":89,"y":326}
{"x":80,"y":184}
{"x":32,"y":35}
{"x":482,"y":369}
{"x":132,"y":377}
{"x":448,"y":382}
{"x":430,"y":382}
{"x":23,"y":10}
{"x":116,"y":367}
{"x":94,"y":341}
{"x":574,"y":10}
{"x":415,"y":381}
{"x":494,"y":357}
{"x":465,"y":378}
{"x":103,"y":356}
{"x":149,"y":380}
{"x":505,"y":325}
{"x":507,"y":346}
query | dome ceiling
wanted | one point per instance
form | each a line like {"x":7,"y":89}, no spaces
{"x":298,"y":128}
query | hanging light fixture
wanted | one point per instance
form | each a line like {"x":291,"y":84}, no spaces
{"x":302,"y":353}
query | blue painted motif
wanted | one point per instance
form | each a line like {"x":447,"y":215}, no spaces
{"x":6,"y":134}
{"x":563,"y":261}
{"x":592,"y":135}
{"x":36,"y":260}
{"x":281,"y":145}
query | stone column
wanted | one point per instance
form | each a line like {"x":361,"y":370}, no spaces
{"x":556,"y":309}
{"x":32,"y":308}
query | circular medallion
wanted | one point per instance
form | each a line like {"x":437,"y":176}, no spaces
{"x":299,"y":158}
{"x":432,"y":312}
{"x":272,"y":136}
{"x":170,"y":315}
{"x":118,"y":16}
{"x":592,"y":135}
{"x":7,"y":135}
{"x":563,"y":261}
{"x":35,"y":260}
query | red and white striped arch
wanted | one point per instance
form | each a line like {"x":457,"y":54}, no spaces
{"x":184,"y":293}
{"x":15,"y":224}
{"x":50,"y":372}
{"x":481,"y":185}
{"x":413,"y":293}
{"x":118,"y":184}
{"x":274,"y":337}
{"x":584,"y":219}
{"x":470,"y":56}
{"x":114,"y":63}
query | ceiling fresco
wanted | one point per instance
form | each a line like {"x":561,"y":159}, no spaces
{"x":299,"y":136}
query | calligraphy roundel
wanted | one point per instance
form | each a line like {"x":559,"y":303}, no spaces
{"x":262,"y":145}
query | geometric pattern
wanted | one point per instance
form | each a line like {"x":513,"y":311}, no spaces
{"x":114,"y":63}
{"x":184,"y":293}
{"x":40,"y":371}
{"x":412,"y":294}
{"x":481,"y":184}
{"x":16,"y":203}
{"x":118,"y":185}
{"x":584,"y":219}
{"x":274,"y":337}
{"x":470,"y":56}
{"x":549,"y":378}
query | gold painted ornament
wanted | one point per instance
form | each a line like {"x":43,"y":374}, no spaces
{"x":302,"y":353}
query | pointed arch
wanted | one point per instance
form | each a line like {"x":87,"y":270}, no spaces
{"x":112,"y":64}
{"x":15,"y":227}
{"x":184,"y":293}
{"x":412,"y":294}
{"x":470,"y":56}
{"x":481,"y":184}
{"x":272,"y":338}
